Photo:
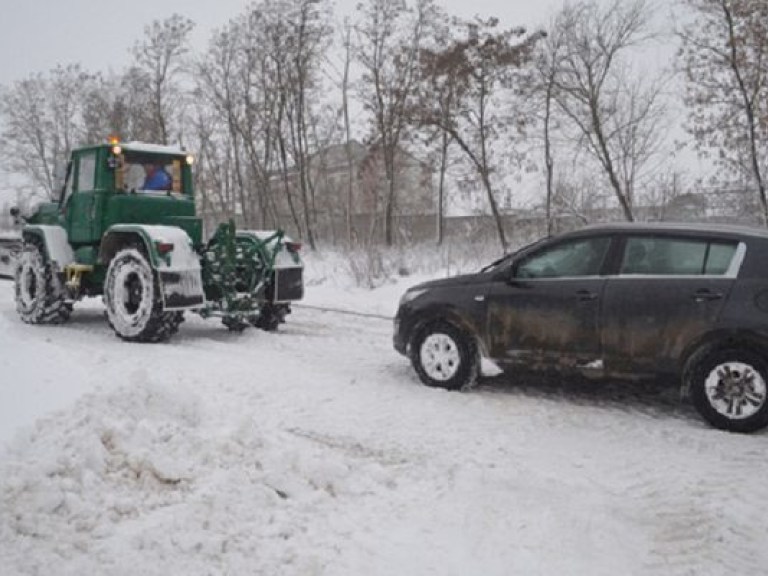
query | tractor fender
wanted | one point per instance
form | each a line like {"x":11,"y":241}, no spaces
{"x":178,"y":268}
{"x":54,"y":242}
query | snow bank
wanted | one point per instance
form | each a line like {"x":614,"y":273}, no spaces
{"x":136,"y":482}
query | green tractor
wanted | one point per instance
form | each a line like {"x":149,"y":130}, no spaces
{"x":125,"y":228}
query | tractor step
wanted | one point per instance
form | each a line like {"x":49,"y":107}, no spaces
{"x":74,"y":274}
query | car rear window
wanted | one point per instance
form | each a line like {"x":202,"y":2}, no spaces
{"x":676,"y":257}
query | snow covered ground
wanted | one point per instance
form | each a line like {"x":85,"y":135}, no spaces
{"x":315,"y":451}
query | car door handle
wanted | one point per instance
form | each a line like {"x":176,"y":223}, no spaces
{"x":586,"y":295}
{"x":706,"y":295}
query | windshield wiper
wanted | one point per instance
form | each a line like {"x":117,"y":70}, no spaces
{"x":509,"y":255}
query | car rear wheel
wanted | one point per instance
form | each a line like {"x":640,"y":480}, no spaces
{"x":445,"y":356}
{"x":729,"y":388}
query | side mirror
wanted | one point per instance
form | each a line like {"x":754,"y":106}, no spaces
{"x":505,"y":274}
{"x":512,"y":279}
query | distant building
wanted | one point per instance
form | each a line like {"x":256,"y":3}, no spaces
{"x":335,"y":174}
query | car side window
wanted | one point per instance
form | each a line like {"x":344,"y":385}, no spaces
{"x":582,"y":257}
{"x":676,"y":257}
{"x":719,"y":258}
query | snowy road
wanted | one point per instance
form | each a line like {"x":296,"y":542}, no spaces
{"x":314,"y":451}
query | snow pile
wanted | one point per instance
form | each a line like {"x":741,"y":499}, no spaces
{"x":139,"y":481}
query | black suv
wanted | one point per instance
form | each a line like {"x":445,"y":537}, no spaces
{"x":617,"y":301}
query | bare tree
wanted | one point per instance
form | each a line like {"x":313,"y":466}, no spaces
{"x":618,"y":119}
{"x":260,"y":79}
{"x":665,"y":193}
{"x":437,"y":93}
{"x":42,"y":118}
{"x":119,"y":105}
{"x":159,"y":55}
{"x":299,"y":39}
{"x":345,"y":81}
{"x":725,"y":58}
{"x":390,"y":35}
{"x":548,"y":56}
{"x":479,"y":68}
{"x":218,"y":84}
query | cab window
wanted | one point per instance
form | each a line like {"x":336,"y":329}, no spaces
{"x":142,"y":172}
{"x":86,"y":171}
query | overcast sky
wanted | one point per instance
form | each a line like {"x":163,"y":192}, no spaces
{"x":39,"y":34}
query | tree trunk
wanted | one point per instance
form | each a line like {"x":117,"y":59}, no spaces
{"x":441,"y":189}
{"x":548,"y":160}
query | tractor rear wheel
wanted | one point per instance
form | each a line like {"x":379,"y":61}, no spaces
{"x":271,"y":316}
{"x":40,"y":297}
{"x":133,"y":299}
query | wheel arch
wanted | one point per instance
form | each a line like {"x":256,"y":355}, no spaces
{"x":443,"y":313}
{"x":118,"y":237}
{"x":53,"y":241}
{"x":713,"y":342}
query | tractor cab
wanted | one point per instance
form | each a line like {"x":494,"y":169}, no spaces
{"x":120,"y":183}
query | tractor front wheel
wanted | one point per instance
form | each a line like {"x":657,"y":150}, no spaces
{"x":133,"y":299}
{"x":40,"y":297}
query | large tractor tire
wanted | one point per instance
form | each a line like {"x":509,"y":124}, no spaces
{"x":40,"y":297}
{"x":134,"y":302}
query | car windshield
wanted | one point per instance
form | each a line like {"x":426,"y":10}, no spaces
{"x":145,"y":172}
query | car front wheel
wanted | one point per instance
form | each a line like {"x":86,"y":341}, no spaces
{"x":445,"y":356}
{"x":729,"y":388}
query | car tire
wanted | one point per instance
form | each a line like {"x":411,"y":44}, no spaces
{"x":445,"y":356}
{"x":729,"y":388}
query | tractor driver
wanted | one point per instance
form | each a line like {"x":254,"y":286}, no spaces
{"x":156,"y":178}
